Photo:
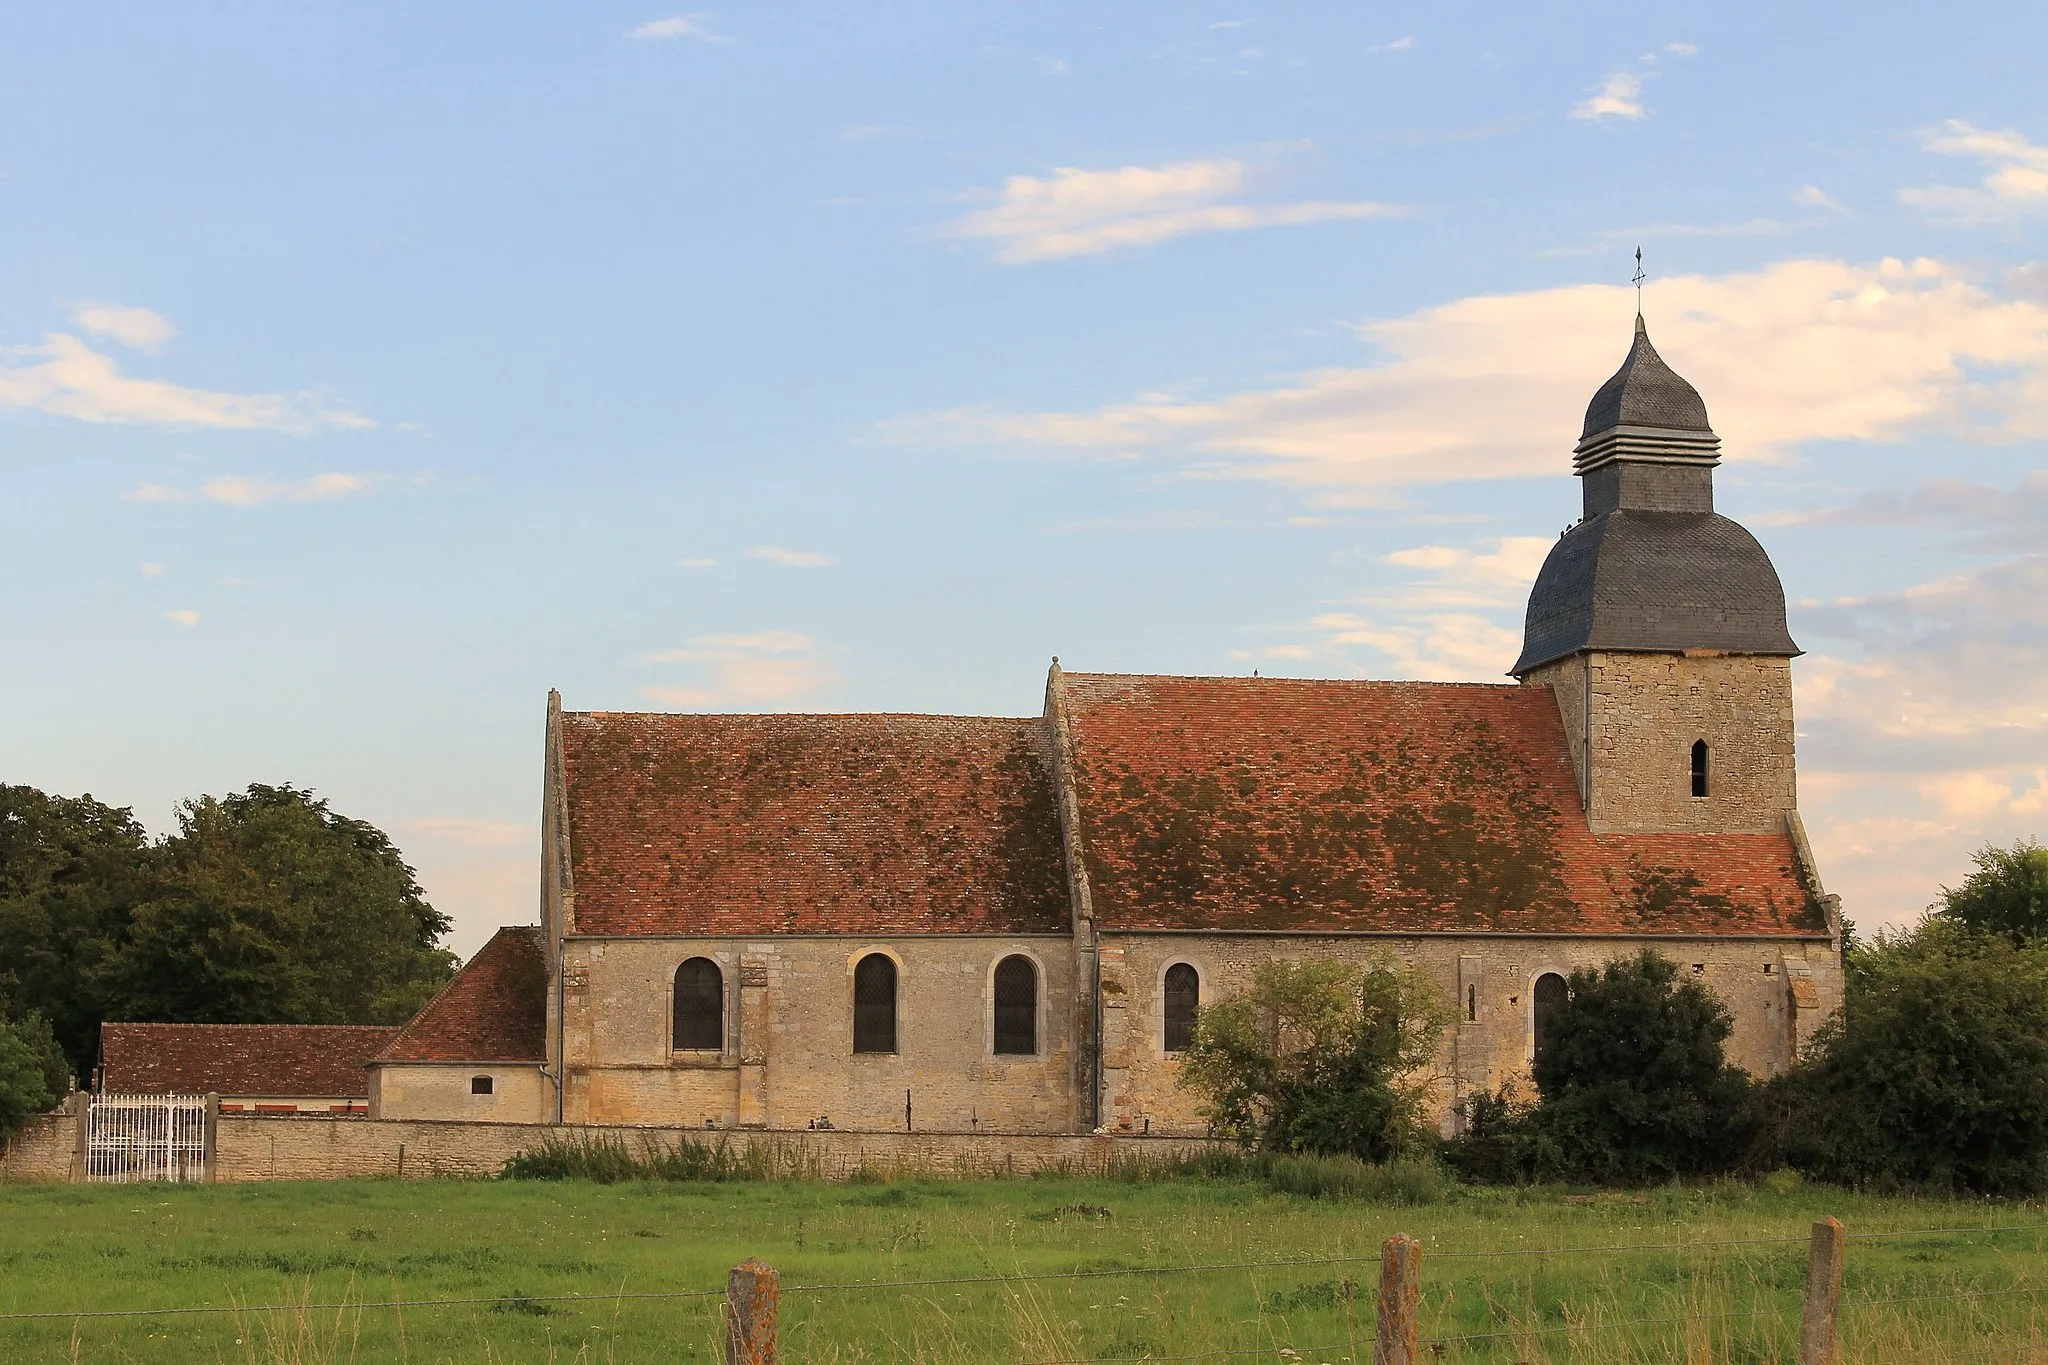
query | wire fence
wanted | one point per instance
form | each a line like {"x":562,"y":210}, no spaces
{"x":756,"y":1344}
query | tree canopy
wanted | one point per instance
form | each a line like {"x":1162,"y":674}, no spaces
{"x":265,"y":906}
{"x":2007,"y":894}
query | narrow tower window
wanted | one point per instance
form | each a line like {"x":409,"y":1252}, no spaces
{"x":1183,"y":1003}
{"x":699,"y":1022}
{"x":1551,"y":992}
{"x":1016,"y":1007}
{"x":1472,"y":1004}
{"x":874,"y":1004}
{"x":1699,"y":767}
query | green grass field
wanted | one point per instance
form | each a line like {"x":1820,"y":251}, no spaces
{"x":71,"y":1249}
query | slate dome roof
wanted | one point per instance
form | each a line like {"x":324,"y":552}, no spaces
{"x":1645,"y":392}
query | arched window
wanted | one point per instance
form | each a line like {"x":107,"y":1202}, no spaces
{"x":874,"y":1004}
{"x":699,"y":1006}
{"x":1183,"y":1003}
{"x":1699,"y":767}
{"x":1551,"y":993}
{"x":1016,"y":1006}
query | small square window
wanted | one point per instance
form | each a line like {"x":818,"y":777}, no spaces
{"x":479,"y":1085}
{"x":1767,"y":969}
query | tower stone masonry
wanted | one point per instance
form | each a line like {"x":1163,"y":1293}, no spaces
{"x":1660,"y":625}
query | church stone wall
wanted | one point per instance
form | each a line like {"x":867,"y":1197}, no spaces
{"x":788,"y":1056}
{"x":1646,"y":712}
{"x":1778,"y":991}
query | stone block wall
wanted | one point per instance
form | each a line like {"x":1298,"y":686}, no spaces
{"x":520,"y":1093}
{"x":45,"y":1149}
{"x":788,"y":1056}
{"x":1778,"y":991}
{"x":1648,"y":709}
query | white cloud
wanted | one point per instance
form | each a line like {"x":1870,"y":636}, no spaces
{"x":1441,"y":646}
{"x":238,"y":491}
{"x":1074,"y":212}
{"x":1619,"y":96}
{"x":185,"y":616}
{"x":1052,"y":66}
{"x":1495,"y":386}
{"x":697,"y":563}
{"x":65,"y":376}
{"x":1681,"y":49}
{"x":1458,"y":577}
{"x":692,"y":26}
{"x":2016,"y":184}
{"x":765,"y":667}
{"x":1814,"y":197}
{"x":144,"y":329}
{"x":1402,"y":44}
{"x":148,"y":570}
{"x":790,"y":559}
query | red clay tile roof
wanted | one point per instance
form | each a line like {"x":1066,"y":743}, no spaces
{"x":1242,"y":803}
{"x":721,"y":824}
{"x":495,"y":1010}
{"x":313,"y":1061}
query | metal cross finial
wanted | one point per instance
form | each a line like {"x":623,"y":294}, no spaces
{"x":1639,"y":278}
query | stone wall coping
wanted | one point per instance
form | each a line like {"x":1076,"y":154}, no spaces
{"x":946,"y":936}
{"x":1524,"y":936}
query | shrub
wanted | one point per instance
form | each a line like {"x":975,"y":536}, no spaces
{"x":33,"y":1072}
{"x":1936,"y":1073}
{"x":1633,"y":1087}
{"x":1320,"y":1057}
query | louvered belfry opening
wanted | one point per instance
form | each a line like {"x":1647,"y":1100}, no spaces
{"x":699,"y":1006}
{"x":1016,"y":1007}
{"x":874,"y":1004}
{"x":1183,"y":1003}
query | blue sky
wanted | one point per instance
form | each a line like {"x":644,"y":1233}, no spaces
{"x":367,"y":370}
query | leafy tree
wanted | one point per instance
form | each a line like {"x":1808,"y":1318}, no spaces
{"x":71,"y":873}
{"x":1936,"y":1072}
{"x":267,"y":907}
{"x":34,"y":1074}
{"x":2007,"y":894}
{"x":1321,"y":1057}
{"x":1633,"y":1087}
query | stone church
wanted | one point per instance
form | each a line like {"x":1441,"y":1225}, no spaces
{"x":972,"y":924}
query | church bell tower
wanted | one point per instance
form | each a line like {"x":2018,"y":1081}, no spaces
{"x":1660,"y":625}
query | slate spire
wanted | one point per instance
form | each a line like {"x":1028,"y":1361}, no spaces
{"x":1646,"y":412}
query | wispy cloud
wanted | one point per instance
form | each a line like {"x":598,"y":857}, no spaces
{"x":699,"y":562}
{"x":144,"y":329}
{"x":1402,"y":44}
{"x":1075,"y":212}
{"x":185,"y":617}
{"x":148,"y":570}
{"x":64,"y":375}
{"x":470,"y":833}
{"x":2015,"y":185}
{"x":1487,"y":387}
{"x":764,"y":667}
{"x":236,"y":490}
{"x":695,"y":27}
{"x":790,"y":559}
{"x":1619,"y":96}
{"x":1814,"y":197}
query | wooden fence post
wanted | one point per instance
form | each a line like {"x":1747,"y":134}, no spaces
{"x":753,"y":1292}
{"x":1817,"y":1338}
{"x":1400,"y":1301}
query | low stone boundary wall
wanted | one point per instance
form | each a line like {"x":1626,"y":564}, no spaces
{"x":315,"y":1147}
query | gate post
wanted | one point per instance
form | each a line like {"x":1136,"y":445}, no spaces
{"x":209,"y":1142}
{"x":81,"y":1112}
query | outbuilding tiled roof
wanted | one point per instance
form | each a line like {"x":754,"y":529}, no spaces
{"x":309,"y":1061}
{"x":495,"y":1010}
{"x":1274,"y":804}
{"x":723,"y":824}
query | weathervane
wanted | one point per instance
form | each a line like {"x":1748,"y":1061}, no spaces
{"x":1639,"y":277}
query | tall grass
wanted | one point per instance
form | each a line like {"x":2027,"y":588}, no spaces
{"x":608,"y":1160}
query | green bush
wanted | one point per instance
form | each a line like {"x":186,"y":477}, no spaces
{"x":1936,"y":1073}
{"x":1633,"y":1087}
{"x":1320,"y":1057}
{"x":34,"y":1074}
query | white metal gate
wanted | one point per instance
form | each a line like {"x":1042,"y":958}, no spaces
{"x":146,"y":1137}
